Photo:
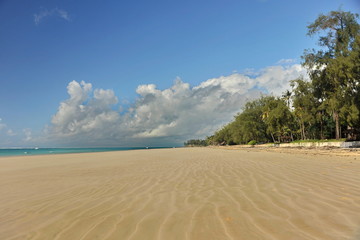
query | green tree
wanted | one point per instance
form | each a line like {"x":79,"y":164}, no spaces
{"x":353,"y":101}
{"x":249,"y":125}
{"x":330,"y":68}
{"x":278,"y":119}
{"x":196,"y":142}
{"x":224,"y":135}
{"x":304,"y":105}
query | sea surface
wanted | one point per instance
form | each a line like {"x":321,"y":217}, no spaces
{"x":42,"y":151}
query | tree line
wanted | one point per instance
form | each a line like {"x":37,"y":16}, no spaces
{"x":196,"y":142}
{"x":325,"y":106}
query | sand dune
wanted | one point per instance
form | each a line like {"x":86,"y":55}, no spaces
{"x":190,"y":193}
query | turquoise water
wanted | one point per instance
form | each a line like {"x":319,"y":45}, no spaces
{"x":42,"y":151}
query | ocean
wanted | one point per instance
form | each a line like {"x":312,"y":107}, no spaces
{"x":43,"y":151}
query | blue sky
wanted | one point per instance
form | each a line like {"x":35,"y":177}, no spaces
{"x":138,"y":52}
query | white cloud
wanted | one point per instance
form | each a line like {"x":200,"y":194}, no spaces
{"x":287,"y":61}
{"x":10,"y":133}
{"x":28,"y":134}
{"x":55,"y":12}
{"x":169,"y":116}
{"x":11,"y":138}
{"x":276,"y":78}
{"x":63,"y":14}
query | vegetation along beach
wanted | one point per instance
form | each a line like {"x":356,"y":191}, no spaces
{"x":325,"y":106}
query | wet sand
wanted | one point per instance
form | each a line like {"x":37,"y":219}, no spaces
{"x":189,"y":193}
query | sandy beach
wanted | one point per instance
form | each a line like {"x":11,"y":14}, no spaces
{"x":187,"y":193}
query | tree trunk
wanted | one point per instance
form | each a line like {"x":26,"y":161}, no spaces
{"x":321,"y":130}
{"x":273,"y":137}
{"x":349,"y":133}
{"x":340,"y":132}
{"x":303,"y":130}
{"x":337,"y":127}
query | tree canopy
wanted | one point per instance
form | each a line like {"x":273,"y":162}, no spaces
{"x":330,"y":67}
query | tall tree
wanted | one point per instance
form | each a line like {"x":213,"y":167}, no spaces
{"x":304,"y":105}
{"x":330,"y":67}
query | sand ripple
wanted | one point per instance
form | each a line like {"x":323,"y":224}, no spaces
{"x":195,"y":193}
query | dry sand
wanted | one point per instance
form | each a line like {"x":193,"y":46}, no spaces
{"x":190,"y":193}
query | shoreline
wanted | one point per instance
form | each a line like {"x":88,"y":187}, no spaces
{"x":75,"y":152}
{"x":330,"y":151}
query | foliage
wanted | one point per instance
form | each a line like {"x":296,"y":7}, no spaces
{"x":261,"y":120}
{"x":196,"y":142}
{"x":305,"y":106}
{"x":249,"y":125}
{"x":324,"y":107}
{"x":331,"y":68}
{"x":277,"y":118}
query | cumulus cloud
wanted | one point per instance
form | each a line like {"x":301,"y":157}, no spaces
{"x":82,"y":113}
{"x":55,"y":12}
{"x":161,"y":117}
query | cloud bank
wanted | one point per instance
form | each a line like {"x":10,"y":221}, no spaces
{"x":91,"y":117}
{"x":55,"y":12}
